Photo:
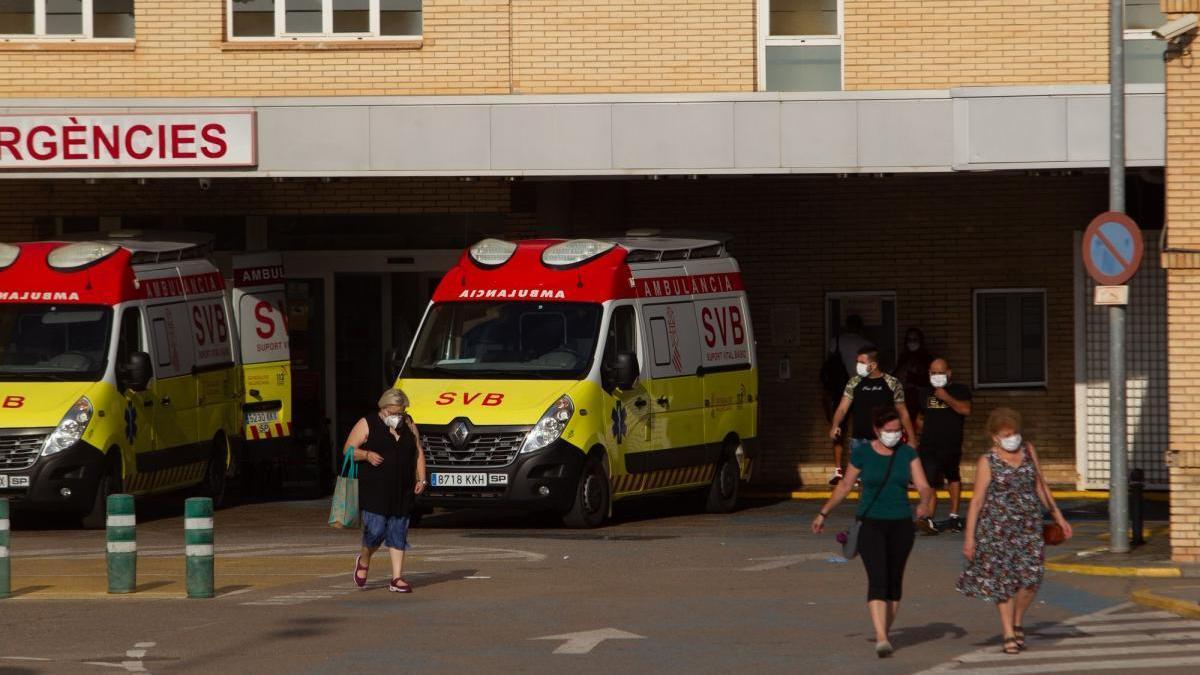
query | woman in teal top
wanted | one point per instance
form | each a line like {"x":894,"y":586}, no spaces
{"x":886,"y":537}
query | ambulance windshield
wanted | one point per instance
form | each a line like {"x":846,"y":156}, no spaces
{"x":53,"y":342}
{"x":506,"y":340}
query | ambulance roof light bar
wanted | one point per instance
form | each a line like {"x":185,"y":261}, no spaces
{"x":492,"y":252}
{"x":78,"y":255}
{"x":8,"y":255}
{"x":575,"y":252}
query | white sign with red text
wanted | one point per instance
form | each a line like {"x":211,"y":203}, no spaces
{"x":128,"y":140}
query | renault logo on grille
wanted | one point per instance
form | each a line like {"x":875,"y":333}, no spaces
{"x":459,"y":431}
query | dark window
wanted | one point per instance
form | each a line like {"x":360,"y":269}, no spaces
{"x":1010,"y":338}
{"x":622,"y":334}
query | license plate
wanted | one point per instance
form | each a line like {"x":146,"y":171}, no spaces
{"x":459,"y":480}
{"x":262,"y":417}
{"x":3,"y":481}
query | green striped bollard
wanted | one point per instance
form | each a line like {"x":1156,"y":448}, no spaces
{"x":121,"y":541}
{"x":198,"y":546}
{"x":5,"y":570}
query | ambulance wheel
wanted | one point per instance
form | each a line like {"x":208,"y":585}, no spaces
{"x":215,"y":475}
{"x":591,"y":497}
{"x":109,"y":484}
{"x":723,"y":492}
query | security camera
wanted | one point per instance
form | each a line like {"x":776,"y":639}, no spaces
{"x":1176,"y":28}
{"x":205,"y":184}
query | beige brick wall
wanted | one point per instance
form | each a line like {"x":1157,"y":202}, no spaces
{"x":586,"y":46}
{"x":1183,"y":295}
{"x":633,"y":46}
{"x":936,"y":44}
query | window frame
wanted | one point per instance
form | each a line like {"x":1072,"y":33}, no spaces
{"x":87,"y":27}
{"x":326,"y":35}
{"x":975,"y":338}
{"x":765,"y":39}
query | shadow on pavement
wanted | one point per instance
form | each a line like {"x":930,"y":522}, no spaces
{"x":912,"y":636}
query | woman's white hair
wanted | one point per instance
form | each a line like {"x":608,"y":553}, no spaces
{"x":393,"y":397}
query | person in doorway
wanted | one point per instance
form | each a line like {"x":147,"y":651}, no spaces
{"x":943,"y":406}
{"x":839,"y":367}
{"x":388,"y":446}
{"x":911,"y":368}
{"x":1004,"y":543}
{"x":869,"y":389}
{"x":886,"y":536}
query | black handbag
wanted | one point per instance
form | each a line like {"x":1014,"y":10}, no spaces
{"x":850,"y":546}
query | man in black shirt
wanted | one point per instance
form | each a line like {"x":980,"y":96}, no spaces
{"x":944,"y":406}
{"x":869,"y":390}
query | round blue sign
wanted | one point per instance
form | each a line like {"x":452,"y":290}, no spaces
{"x":1112,"y":248}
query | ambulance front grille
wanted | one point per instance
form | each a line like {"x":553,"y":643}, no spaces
{"x":482,"y":449}
{"x":20,"y":451}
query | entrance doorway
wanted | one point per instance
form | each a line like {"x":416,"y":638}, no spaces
{"x":348,"y":310}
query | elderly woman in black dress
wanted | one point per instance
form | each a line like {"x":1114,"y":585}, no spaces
{"x":388,"y":448}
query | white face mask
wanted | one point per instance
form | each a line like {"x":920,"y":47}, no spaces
{"x":862,"y":369}
{"x":393,"y":421}
{"x":939,"y":381}
{"x":890,"y":438}
{"x":1011,"y":443}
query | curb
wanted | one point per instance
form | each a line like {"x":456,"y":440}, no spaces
{"x":1183,"y":608}
{"x":799,"y":495}
{"x":1115,"y":571}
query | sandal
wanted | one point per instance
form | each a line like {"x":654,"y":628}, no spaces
{"x":399,"y":585}
{"x":1011,"y":646}
{"x":361,"y":582}
{"x":1019,"y":634}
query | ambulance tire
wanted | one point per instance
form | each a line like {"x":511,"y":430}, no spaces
{"x":723,"y":492}
{"x":592,"y":497}
{"x":109,"y":484}
{"x":215,"y":479}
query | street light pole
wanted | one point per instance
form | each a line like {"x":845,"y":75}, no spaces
{"x":1118,"y":495}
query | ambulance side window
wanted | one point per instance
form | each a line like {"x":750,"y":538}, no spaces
{"x":130,"y":340}
{"x":622,"y":334}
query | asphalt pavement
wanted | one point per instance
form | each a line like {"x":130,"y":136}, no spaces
{"x":662,"y":589}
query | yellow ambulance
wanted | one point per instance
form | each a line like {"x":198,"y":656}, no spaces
{"x":566,"y":374}
{"x":120,"y":371}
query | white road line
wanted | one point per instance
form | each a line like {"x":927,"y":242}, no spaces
{"x":1139,"y":626}
{"x":24,"y":658}
{"x":781,"y":561}
{"x":236,"y":592}
{"x":999,"y":655}
{"x":1111,"y":639}
{"x":1139,"y":664}
{"x":1136,"y":616}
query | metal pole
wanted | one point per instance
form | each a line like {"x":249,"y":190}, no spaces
{"x":1118,"y":496}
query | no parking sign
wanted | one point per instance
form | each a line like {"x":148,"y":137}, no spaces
{"x":1112,"y":248}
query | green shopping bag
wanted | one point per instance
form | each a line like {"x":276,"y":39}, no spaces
{"x":344,"y":510}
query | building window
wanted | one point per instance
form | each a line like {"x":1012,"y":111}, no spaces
{"x":351,"y":19}
{"x":66,"y":19}
{"x":1143,"y":51}
{"x":1010,"y":337}
{"x":802,"y":45}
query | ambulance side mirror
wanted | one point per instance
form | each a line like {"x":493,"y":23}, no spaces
{"x":624,"y":371}
{"x":136,"y":372}
{"x":395,"y":362}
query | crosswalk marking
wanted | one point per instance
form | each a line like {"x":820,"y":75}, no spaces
{"x":1116,"y":638}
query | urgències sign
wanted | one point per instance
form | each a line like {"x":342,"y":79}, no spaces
{"x":127,"y":140}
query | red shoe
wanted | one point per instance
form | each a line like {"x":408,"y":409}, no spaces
{"x":361,"y":582}
{"x":399,"y":586}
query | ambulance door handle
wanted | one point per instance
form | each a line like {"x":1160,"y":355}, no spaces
{"x":148,"y":404}
{"x":663,"y":401}
{"x":166,"y":400}
{"x":641,"y":403}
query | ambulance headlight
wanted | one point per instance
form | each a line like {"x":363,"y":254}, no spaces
{"x":550,"y":427}
{"x":81,"y":254}
{"x":70,"y":429}
{"x":8,"y":255}
{"x":492,"y":252}
{"x":574,"y":252}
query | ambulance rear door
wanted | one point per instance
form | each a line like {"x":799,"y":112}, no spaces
{"x":260,"y":312}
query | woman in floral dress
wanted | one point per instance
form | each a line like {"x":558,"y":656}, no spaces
{"x":1003,"y":543}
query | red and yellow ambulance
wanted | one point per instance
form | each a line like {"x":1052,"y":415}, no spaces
{"x":121,"y":371}
{"x":566,"y":374}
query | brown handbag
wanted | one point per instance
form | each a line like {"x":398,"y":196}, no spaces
{"x":1053,"y":534}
